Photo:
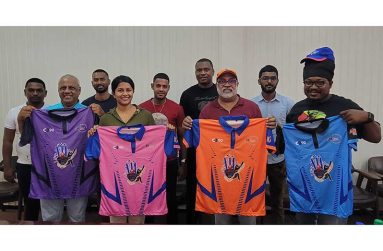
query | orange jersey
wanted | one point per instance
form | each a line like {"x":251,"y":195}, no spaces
{"x":231,"y":164}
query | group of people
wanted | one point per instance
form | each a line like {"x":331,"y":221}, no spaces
{"x":204,"y":100}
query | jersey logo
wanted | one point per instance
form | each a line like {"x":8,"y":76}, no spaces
{"x":45,"y":129}
{"x":63,"y":156}
{"x":133,"y":173}
{"x":217,"y":140}
{"x":82,"y":128}
{"x":231,"y":169}
{"x":301,"y":142}
{"x":335,"y":138}
{"x":320,"y":169}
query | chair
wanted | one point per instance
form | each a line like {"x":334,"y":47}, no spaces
{"x":9,"y":192}
{"x":375,"y":165}
{"x":367,"y":197}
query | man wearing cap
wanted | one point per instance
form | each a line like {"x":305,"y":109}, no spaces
{"x":229,"y":103}
{"x":318,"y":73}
{"x":274,"y":104}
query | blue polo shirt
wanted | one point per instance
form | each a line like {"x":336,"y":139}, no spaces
{"x":278,"y":107}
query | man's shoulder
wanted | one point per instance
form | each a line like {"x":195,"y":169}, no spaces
{"x":256,"y":99}
{"x":16,"y":109}
{"x":89,"y":100}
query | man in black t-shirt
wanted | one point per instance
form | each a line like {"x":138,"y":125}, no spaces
{"x":103,"y":101}
{"x":317,"y":79}
{"x":193,"y":100}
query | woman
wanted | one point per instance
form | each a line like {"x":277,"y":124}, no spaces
{"x":124,"y":114}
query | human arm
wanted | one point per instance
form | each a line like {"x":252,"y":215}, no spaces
{"x":371,"y":130}
{"x":9,"y":172}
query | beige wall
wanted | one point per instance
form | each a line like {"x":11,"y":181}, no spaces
{"x":140,"y":52}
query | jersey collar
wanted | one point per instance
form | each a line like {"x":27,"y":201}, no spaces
{"x":131,"y":137}
{"x":229,"y":129}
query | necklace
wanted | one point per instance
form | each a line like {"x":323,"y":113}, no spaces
{"x":154,"y":106}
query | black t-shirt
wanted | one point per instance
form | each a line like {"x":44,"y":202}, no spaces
{"x":195,"y":98}
{"x":106,"y":105}
{"x":305,"y":109}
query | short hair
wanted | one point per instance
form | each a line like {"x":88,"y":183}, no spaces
{"x":101,"y":70}
{"x":205,"y":60}
{"x":268,"y":68}
{"x":117,"y":80}
{"x":35,"y":80}
{"x":161,"y":76}
{"x":70,"y":76}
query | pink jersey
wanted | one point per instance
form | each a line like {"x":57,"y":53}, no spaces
{"x":132,"y":168}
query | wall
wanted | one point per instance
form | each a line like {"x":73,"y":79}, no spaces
{"x":140,"y":52}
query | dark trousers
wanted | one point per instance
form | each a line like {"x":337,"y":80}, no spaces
{"x":319,"y":219}
{"x":194,"y":217}
{"x":31,"y":206}
{"x":171,"y":195}
{"x":277,"y":178}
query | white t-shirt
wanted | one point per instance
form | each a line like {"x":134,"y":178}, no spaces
{"x":24,"y":153}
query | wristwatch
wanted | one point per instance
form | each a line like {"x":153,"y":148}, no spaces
{"x":370,"y":117}
{"x":183,"y":160}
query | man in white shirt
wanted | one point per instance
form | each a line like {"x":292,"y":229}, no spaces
{"x":35,"y":92}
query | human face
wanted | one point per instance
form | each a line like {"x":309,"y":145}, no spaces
{"x":314,"y":92}
{"x":227,"y":86}
{"x":35,"y":93}
{"x":100,"y":82}
{"x":69,"y":91}
{"x":160,"y":88}
{"x":123,"y":94}
{"x":268,"y":82}
{"x":204,"y":73}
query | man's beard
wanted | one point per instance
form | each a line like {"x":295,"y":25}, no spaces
{"x":268,"y":90}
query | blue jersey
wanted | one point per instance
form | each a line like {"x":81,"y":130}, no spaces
{"x":318,"y":166}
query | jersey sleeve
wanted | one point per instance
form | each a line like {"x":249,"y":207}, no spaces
{"x":192,"y":136}
{"x":92,"y":150}
{"x":10,"y":120}
{"x":270,"y":143}
{"x":171,"y":143}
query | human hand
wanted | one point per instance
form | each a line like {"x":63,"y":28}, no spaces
{"x":92,"y":131}
{"x":97,"y":109}
{"x":271,"y":122}
{"x":354,"y":117}
{"x":187,"y":123}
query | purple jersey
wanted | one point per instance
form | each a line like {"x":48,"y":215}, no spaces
{"x":57,"y":149}
{"x":132,"y":168}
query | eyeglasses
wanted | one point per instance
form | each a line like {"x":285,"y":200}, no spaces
{"x":231,"y":81}
{"x":318,"y":83}
{"x":266,"y":78}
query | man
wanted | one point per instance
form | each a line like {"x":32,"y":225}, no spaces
{"x":102,"y":101}
{"x":166,"y":111}
{"x":52,"y":209}
{"x":193,"y":100}
{"x":229,"y":103}
{"x":274,"y":104}
{"x":35,"y":92}
{"x":318,"y":76}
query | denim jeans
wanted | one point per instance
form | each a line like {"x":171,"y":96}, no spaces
{"x":52,"y":210}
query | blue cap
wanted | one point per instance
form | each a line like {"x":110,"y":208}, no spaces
{"x":320,"y":54}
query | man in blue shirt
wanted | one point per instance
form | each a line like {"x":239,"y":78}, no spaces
{"x":273,"y":104}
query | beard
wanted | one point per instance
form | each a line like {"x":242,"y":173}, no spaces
{"x":227,"y":94}
{"x":268,"y":88}
{"x":100,"y":89}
